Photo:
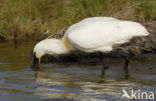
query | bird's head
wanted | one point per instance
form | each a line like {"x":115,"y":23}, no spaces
{"x":38,"y":52}
{"x":51,"y":47}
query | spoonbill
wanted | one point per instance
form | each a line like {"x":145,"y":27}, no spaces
{"x":95,"y":34}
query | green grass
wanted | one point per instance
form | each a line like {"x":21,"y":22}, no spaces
{"x":31,"y":18}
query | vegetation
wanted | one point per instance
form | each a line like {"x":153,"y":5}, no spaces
{"x":37,"y":18}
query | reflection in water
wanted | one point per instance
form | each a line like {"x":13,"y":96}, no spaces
{"x":68,"y":81}
{"x":81,"y":87}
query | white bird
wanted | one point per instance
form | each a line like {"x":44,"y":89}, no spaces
{"x":96,"y":34}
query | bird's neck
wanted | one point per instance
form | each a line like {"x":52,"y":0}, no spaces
{"x":64,"y":49}
{"x":56,"y":49}
{"x":67,"y":44}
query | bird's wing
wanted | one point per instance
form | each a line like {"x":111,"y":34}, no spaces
{"x":95,"y":34}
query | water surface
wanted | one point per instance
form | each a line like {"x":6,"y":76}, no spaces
{"x":68,"y":81}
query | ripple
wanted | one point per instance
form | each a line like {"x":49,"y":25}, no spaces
{"x":69,"y":81}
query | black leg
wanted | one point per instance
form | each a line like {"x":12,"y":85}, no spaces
{"x":104,"y":64}
{"x":126,"y":58}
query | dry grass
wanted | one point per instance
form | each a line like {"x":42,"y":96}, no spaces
{"x":21,"y":19}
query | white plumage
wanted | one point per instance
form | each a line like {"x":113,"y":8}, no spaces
{"x":99,"y":34}
{"x":50,"y":46}
{"x":91,"y":35}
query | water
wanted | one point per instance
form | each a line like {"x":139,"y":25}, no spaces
{"x":68,"y":81}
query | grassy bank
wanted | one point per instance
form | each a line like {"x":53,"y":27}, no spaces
{"x":39,"y":18}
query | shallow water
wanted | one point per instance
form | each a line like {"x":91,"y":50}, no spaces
{"x":68,"y":81}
